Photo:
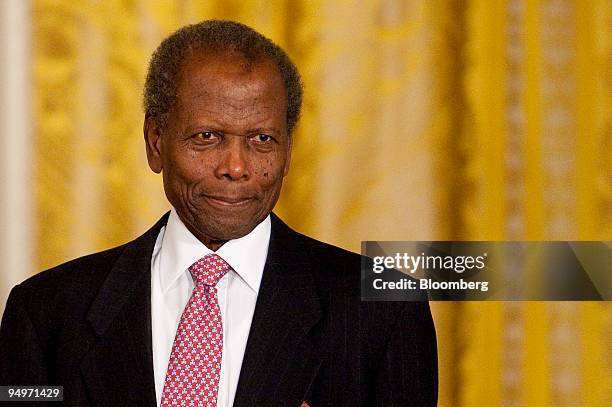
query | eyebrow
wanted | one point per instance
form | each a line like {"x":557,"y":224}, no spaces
{"x":264,"y":130}
{"x":219,"y":129}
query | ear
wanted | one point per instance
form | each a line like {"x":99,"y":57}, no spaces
{"x":289,"y":151}
{"x":153,"y":144}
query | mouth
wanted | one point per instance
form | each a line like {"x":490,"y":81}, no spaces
{"x":227,"y":201}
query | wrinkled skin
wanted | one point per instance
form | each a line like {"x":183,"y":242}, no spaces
{"x":225,"y":149}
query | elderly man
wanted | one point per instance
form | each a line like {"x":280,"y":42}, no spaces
{"x":220,"y":303}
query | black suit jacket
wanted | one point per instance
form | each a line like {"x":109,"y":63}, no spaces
{"x":86,"y":325}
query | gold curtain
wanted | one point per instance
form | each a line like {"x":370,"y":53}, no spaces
{"x":430,"y":119}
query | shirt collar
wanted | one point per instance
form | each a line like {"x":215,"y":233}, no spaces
{"x":180,"y":249}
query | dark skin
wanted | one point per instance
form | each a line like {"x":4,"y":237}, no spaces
{"x":225,"y":149}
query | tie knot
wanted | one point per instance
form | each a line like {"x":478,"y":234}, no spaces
{"x":209,"y":270}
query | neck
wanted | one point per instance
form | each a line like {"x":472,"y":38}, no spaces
{"x":213,"y":245}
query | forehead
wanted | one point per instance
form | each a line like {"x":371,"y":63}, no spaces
{"x":223,"y":74}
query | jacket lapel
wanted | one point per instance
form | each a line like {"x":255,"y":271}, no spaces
{"x":280,"y":362}
{"x":118,"y":369}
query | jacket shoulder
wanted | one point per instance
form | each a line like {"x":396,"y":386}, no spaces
{"x":89,"y":267}
{"x":89,"y":271}
{"x":64,"y":292}
{"x":330,"y":253}
{"x":323,"y":257}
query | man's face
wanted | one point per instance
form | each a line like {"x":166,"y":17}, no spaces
{"x":225,"y":149}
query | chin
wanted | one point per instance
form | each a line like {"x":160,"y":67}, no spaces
{"x":225,"y":229}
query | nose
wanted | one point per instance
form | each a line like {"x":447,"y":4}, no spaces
{"x":233,"y":164}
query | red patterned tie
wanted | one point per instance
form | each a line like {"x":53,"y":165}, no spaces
{"x":195,"y":362}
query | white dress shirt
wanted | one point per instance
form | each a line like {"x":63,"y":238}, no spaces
{"x":176,"y":249}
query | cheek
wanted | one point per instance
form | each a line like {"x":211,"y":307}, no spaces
{"x":187,"y":168}
{"x":269,"y":171}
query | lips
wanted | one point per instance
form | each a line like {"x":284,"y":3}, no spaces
{"x":228,"y":201}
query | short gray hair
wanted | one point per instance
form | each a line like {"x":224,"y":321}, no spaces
{"x":160,"y":91}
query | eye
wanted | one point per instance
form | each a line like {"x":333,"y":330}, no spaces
{"x":206,"y":135}
{"x":262,"y":138}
